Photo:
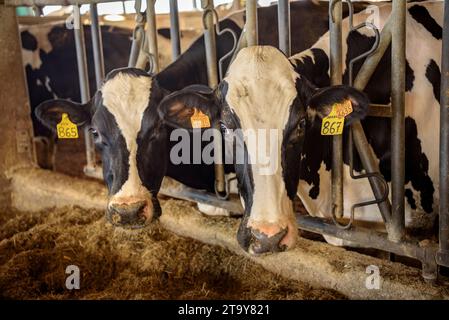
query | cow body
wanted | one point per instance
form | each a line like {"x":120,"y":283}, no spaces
{"x":423,"y":57}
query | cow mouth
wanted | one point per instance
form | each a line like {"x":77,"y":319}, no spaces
{"x":137,"y":221}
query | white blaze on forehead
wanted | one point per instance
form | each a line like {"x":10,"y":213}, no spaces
{"x":261,"y":90}
{"x":126,"y":97}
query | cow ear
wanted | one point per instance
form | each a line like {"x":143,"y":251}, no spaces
{"x":50,"y":112}
{"x":192,"y":107}
{"x":350,"y":102}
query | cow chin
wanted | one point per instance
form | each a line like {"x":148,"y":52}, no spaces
{"x":262,"y":237}
{"x":133,"y":212}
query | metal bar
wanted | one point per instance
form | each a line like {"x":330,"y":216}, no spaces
{"x":370,"y":64}
{"x":370,"y":165}
{"x":336,"y":72}
{"x":135,"y":49}
{"x":380,"y":110}
{"x":84,"y":83}
{"x":397,"y":228}
{"x":376,"y":240}
{"x":212,"y":76}
{"x":97,"y":45}
{"x":210,"y":43}
{"x":30,"y":3}
{"x":443,"y":254}
{"x":152,"y":35}
{"x":360,"y":141}
{"x":252,"y":36}
{"x":137,"y":35}
{"x":174,"y":30}
{"x":284,"y":27}
{"x":242,"y":43}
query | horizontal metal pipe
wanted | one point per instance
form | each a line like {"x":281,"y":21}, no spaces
{"x":376,"y":240}
{"x":30,"y":3}
{"x":175,"y":189}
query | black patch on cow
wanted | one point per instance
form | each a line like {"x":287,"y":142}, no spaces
{"x":315,"y":68}
{"x":433,"y":74}
{"x":409,"y":196}
{"x":292,"y":143}
{"x":378,"y":88}
{"x":416,"y":170}
{"x":421,"y":15}
{"x":190,"y":68}
{"x":112,"y":146}
{"x":29,"y":42}
{"x":164,"y":32}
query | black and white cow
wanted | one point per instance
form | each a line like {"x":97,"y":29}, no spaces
{"x":127,"y":177}
{"x":423,"y":58}
{"x":261,"y":91}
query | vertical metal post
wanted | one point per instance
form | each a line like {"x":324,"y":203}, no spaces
{"x":210,"y":44}
{"x":84,"y":84}
{"x":97,"y":45}
{"x":397,"y":227}
{"x":212,"y":76}
{"x":137,"y":35}
{"x":336,"y":58}
{"x":152,"y":34}
{"x":174,"y":30}
{"x":284,"y":27}
{"x":252,"y":36}
{"x":443,"y":254}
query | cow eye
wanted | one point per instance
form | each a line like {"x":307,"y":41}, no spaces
{"x":302,"y":123}
{"x":94,"y":132}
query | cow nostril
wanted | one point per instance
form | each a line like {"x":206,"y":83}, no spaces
{"x":128,"y":213}
{"x":261,"y":243}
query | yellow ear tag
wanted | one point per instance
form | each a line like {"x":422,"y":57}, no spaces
{"x":66,"y":129}
{"x":199,"y":120}
{"x":333,"y":124}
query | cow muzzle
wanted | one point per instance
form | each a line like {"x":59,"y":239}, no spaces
{"x":266,"y":237}
{"x":132,"y":215}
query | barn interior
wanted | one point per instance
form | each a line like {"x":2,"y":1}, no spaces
{"x":53,"y":198}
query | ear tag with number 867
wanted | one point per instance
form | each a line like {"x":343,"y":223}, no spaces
{"x":66,"y":129}
{"x":333,"y":124}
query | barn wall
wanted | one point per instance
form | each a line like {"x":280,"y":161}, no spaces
{"x":16,"y":148}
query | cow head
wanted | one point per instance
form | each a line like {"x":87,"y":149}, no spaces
{"x":127,"y":133}
{"x":266,"y":111}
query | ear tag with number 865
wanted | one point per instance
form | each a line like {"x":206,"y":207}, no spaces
{"x":66,"y":129}
{"x":333,"y":124}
